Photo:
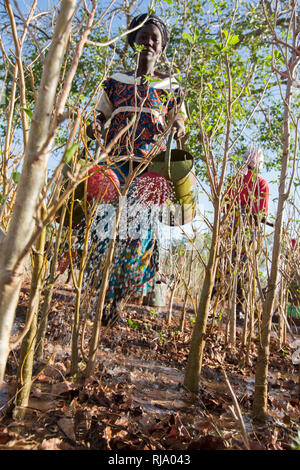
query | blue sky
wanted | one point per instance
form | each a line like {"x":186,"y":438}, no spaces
{"x":141,"y":7}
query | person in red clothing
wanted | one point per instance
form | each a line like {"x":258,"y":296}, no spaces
{"x":247,"y":199}
{"x":284,"y":75}
{"x":248,"y":192}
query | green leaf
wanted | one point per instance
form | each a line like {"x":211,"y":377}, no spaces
{"x":188,"y":37}
{"x":233,"y":40}
{"x":70,"y":152}
{"x":138,"y":47}
{"x":28,"y":112}
{"x":196,"y":34}
{"x":151,"y":79}
{"x":209,"y":41}
{"x":16,"y":176}
{"x":132,"y":324}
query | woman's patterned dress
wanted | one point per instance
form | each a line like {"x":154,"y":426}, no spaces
{"x":153,"y":104}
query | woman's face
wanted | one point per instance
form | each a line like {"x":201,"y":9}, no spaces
{"x":150,"y":37}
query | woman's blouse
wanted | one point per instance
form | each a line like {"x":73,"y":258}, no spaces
{"x":153,"y":104}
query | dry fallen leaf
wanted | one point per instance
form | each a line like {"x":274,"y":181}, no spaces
{"x":61,"y":387}
{"x":16,"y":444}
{"x":36,"y":393}
{"x":55,"y":371}
{"x":204,"y":426}
{"x":50,"y":444}
{"x":67,"y":426}
{"x":120,"y":434}
{"x":207,"y":443}
{"x":107,"y":434}
{"x":4,"y":437}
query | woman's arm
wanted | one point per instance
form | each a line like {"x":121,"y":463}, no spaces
{"x":103,"y":111}
{"x":176,"y":112}
{"x":178,"y":124}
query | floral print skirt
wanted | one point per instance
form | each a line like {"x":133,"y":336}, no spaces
{"x":135,"y":259}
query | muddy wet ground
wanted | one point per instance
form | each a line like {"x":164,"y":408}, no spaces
{"x":136,"y":400}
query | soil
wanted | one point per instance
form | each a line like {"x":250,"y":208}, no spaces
{"x":135,"y":399}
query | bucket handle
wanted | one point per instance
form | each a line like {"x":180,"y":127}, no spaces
{"x":168,"y":153}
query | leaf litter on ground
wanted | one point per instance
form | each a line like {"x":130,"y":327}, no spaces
{"x":135,"y":399}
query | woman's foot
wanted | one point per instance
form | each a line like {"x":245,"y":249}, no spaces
{"x":111,"y":314}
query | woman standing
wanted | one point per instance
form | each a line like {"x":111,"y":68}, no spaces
{"x":155,"y":101}
{"x":246,"y":200}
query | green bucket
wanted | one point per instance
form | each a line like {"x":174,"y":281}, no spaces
{"x":293,"y":311}
{"x":177,"y":166}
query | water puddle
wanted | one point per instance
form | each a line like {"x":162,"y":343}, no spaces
{"x":5,"y":392}
{"x":17,"y":326}
{"x":155,"y":388}
{"x":41,"y":404}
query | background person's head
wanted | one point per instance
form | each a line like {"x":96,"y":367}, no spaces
{"x":253,"y":159}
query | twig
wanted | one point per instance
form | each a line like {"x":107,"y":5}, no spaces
{"x":236,"y":412}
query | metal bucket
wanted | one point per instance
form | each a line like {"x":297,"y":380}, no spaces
{"x":177,"y":166}
{"x":293,"y":311}
{"x":158,"y":296}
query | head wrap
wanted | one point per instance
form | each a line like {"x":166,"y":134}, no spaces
{"x":253,"y":158}
{"x":153,"y":19}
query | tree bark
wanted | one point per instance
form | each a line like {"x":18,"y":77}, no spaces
{"x":14,"y":248}
{"x":24,"y":376}
{"x":171,"y":301}
{"x":194,"y":364}
{"x":41,"y":333}
{"x":186,"y":295}
{"x":260,"y":408}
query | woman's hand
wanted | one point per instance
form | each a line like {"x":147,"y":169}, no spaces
{"x":179,"y":127}
{"x":95,"y":130}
